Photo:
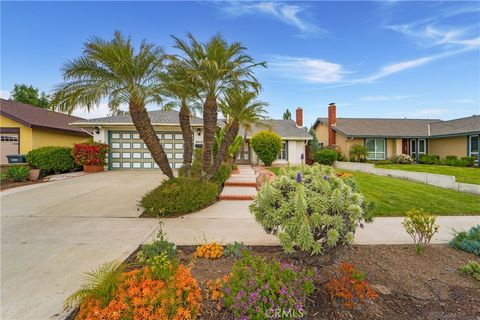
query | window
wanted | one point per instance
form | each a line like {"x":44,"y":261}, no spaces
{"x":376,"y":149}
{"x":283,"y":152}
{"x":474,"y":146}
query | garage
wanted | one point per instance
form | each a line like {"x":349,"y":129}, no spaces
{"x":128,"y":151}
{"x":9,"y":143}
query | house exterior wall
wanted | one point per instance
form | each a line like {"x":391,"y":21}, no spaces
{"x":43,"y":138}
{"x":449,"y":146}
{"x":321,"y":132}
{"x":25,"y":133}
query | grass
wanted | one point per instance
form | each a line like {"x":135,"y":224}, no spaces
{"x":393,"y":197}
{"x":465,"y":175}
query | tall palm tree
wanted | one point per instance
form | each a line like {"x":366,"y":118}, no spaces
{"x":176,"y":86}
{"x":240,"y":109}
{"x":214,"y":67}
{"x":114,"y":70}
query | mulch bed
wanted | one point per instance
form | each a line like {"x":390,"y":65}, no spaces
{"x":409,"y":286}
{"x":9,"y":185}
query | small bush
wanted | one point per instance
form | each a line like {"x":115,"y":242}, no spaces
{"x":179,"y":195}
{"x":451,"y":158}
{"x":234,"y":250}
{"x":18,"y":173}
{"x":222,"y":174}
{"x":267,"y":146}
{"x":358,"y":153}
{"x":472,"y":268}
{"x":210,"y":250}
{"x":402,"y":159}
{"x":257,"y":288}
{"x":51,"y":159}
{"x":326,"y":156}
{"x":467,"y":241}
{"x":421,"y":226}
{"x":160,"y":246}
{"x":312,"y":209}
{"x":428,"y":159}
{"x":351,"y":287}
{"x":380,"y":162}
{"x":470,"y":161}
{"x":90,"y":154}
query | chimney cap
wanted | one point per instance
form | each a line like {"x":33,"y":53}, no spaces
{"x":299,"y":108}
{"x":331,"y":104}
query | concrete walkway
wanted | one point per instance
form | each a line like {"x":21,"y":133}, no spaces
{"x":51,"y":233}
{"x":240,"y":185}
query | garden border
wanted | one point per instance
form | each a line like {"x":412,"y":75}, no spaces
{"x":434,"y":179}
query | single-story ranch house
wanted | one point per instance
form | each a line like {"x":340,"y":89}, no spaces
{"x":127,"y":150}
{"x":24,"y":127}
{"x":387,"y":137}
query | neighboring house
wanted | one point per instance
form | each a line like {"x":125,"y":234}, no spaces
{"x":387,"y":137}
{"x":127,"y":150}
{"x":24,"y":127}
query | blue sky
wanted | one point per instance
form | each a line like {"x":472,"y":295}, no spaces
{"x":374,"y":59}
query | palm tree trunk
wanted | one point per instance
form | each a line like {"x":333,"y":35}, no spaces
{"x":230,"y":134}
{"x":184,"y":118}
{"x":209,"y":129}
{"x":142,"y":123}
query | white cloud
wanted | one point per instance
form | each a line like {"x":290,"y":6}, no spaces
{"x":465,"y":101}
{"x":289,"y":14}
{"x":4,"y":94}
{"x":384,"y":98}
{"x":307,"y":69}
{"x":96,"y":112}
{"x":429,"y":112}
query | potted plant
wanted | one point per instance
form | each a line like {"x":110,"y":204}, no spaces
{"x":91,"y":156}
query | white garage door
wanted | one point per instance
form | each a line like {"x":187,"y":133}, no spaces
{"x":128,"y":151}
{"x":9,"y":145}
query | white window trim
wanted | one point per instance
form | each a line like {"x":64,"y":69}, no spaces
{"x":375,"y":148}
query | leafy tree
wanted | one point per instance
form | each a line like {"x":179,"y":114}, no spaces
{"x":313,"y":145}
{"x":214,"y":67}
{"x":239,"y":108}
{"x":185,"y":96}
{"x":266,"y":145}
{"x":287,"y":115}
{"x":358,"y":153}
{"x":115,"y":70}
{"x":29,"y":95}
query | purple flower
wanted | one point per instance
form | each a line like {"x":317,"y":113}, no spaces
{"x":302,"y":156}
{"x":325,"y":177}
{"x":299,"y":177}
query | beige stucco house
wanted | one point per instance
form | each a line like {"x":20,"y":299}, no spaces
{"x":387,"y":137}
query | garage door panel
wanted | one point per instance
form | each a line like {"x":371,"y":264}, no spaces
{"x":129,"y":152}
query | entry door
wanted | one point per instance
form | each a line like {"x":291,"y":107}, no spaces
{"x":413,"y":148}
{"x":9,"y":145}
{"x":405,"y":146}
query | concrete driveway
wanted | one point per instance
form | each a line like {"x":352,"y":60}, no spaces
{"x":52,"y":233}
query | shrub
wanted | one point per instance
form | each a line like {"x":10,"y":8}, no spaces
{"x":51,"y":159}
{"x":451,"y":158}
{"x":18,"y":173}
{"x":210,"y":250}
{"x":428,"y":159}
{"x":421,"y":226}
{"x":351,"y":287}
{"x":222,"y":174}
{"x":257,"y":288}
{"x":358,"y":152}
{"x":160,"y":246}
{"x":90,"y":154}
{"x":196,"y":167}
{"x":472,"y":268}
{"x":326,"y":156}
{"x":179,"y":195}
{"x":402,"y":159}
{"x":470,"y":161}
{"x":234,"y":250}
{"x":381,"y":161}
{"x":312,"y":209}
{"x":467,"y":241}
{"x":267,"y":146}
{"x":140,"y":295}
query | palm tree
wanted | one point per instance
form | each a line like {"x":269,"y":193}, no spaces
{"x":214,"y":67}
{"x":113,"y":70}
{"x":240,"y":109}
{"x":175,"y":85}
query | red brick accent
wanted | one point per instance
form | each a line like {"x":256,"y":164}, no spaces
{"x":235,"y":197}
{"x":299,"y":117}
{"x":332,"y":120}
{"x":240,"y":184}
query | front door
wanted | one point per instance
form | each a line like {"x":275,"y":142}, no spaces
{"x":244,"y":155}
{"x":413,"y":148}
{"x":404,"y":146}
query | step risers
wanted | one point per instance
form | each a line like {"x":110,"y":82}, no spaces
{"x":236,"y":197}
{"x":240,"y":184}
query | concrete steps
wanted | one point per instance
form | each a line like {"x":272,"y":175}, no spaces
{"x":241,"y":185}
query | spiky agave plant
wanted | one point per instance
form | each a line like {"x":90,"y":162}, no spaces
{"x":100,"y":283}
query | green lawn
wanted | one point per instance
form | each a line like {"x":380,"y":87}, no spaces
{"x":394,"y":196}
{"x":465,"y":175}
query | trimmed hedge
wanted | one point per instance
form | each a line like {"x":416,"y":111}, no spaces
{"x":326,"y":156}
{"x":51,"y":159}
{"x":428,"y":159}
{"x":267,"y":146}
{"x":178,"y":196}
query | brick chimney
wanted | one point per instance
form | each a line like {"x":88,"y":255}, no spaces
{"x":332,"y":120}
{"x":299,"y":117}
